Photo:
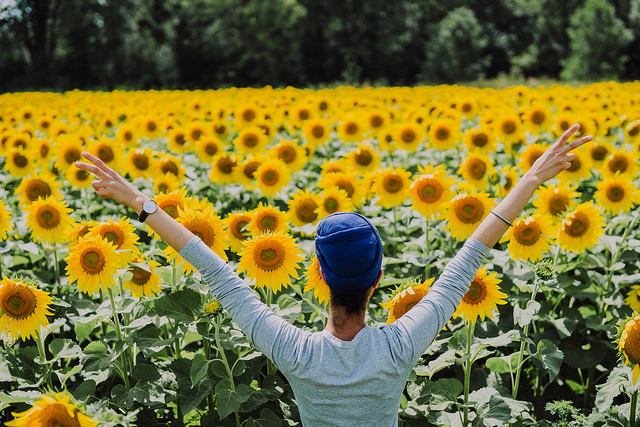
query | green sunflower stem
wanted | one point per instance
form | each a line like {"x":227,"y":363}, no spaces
{"x":43,"y":356}
{"x":232,"y":384}
{"x":123,"y":355}
{"x":56,"y":267}
{"x":395,"y":221}
{"x":467,"y":373}
{"x":427,"y":268}
{"x":632,"y":409}
{"x":525,"y":332}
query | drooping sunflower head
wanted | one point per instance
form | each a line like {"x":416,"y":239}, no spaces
{"x":52,"y":410}
{"x":466,"y":212}
{"x":482,"y":298}
{"x":271,"y":260}
{"x":629,"y":344}
{"x":23,"y":309}
{"x":302,"y":208}
{"x":581,"y":228}
{"x":405,"y":297}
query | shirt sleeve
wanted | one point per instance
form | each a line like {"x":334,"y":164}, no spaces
{"x":271,"y":334}
{"x":414,"y":332}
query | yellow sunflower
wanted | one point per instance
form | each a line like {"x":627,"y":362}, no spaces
{"x":405,"y":297}
{"x":23,"y":309}
{"x":92,"y":263}
{"x":482,"y":298}
{"x":38,"y":186}
{"x":408,"y":136}
{"x":140,"y":163}
{"x":166,"y":183}
{"x":49,"y":220}
{"x":364,"y":159}
{"x":168,"y":164}
{"x":633,"y":298}
{"x":80,"y":229}
{"x":245,"y":171}
{"x":207,"y":226}
{"x":41,"y":150}
{"x":321,"y":290}
{"x":629,"y":344}
{"x":316,"y":131}
{"x":178,"y":141}
{"x":271,"y":176}
{"x":271,"y":260}
{"x":302,"y":208}
{"x":530,"y":155}
{"x":19,"y":162}
{"x":351,"y":128}
{"x":509,"y":128}
{"x":443,"y":134}
{"x":267,"y":219}
{"x":504,"y":180}
{"x":580,"y":168}
{"x":235,"y":224}
{"x":143,"y":281}
{"x":222,"y":170}
{"x":581,"y":228}
{"x":475,"y":169}
{"x":554,"y":200}
{"x":466,"y":212}
{"x":79,"y":178}
{"x":625,"y":162}
{"x":49,"y":411}
{"x":6,"y":222}
{"x":119,"y":232}
{"x":482,"y":140}
{"x":599,"y":150}
{"x":347,"y":181}
{"x":391,"y":185}
{"x":68,"y":150}
{"x":616,"y":194}
{"x":332,"y":166}
{"x":127,"y":135}
{"x":251,"y":141}
{"x":530,"y":237}
{"x":333,"y":200}
{"x":632,"y":131}
{"x":290,"y":153}
{"x":207,"y":148}
{"x":108,"y":150}
{"x":431,"y":191}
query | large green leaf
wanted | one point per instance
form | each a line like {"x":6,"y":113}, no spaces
{"x":550,"y":356}
{"x":494,"y":413}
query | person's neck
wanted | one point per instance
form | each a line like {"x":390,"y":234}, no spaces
{"x":344,"y":326}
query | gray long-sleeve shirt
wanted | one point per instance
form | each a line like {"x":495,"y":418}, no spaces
{"x":339,"y":383}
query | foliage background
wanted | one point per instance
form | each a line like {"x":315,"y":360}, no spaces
{"x":186,"y":44}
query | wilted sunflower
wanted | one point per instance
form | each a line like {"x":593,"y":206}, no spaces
{"x":207,"y":226}
{"x":251,"y":141}
{"x":405,"y":297}
{"x":431,"y":191}
{"x":302,"y":208}
{"x":290,"y":153}
{"x":119,"y":232}
{"x":222,"y":170}
{"x":34,"y":187}
{"x":466,"y":212}
{"x":554,"y":200}
{"x":616,"y":194}
{"x":391,"y":185}
{"x":271,"y":176}
{"x":633,"y":298}
{"x":333,"y":200}
{"x":629,"y":344}
{"x":23,"y":309}
{"x":482,"y":298}
{"x":267,"y":219}
{"x":581,"y":228}
{"x":364,"y":159}
{"x":6,"y":223}
{"x":49,"y":220}
{"x":92,"y":263}
{"x":237,"y":234}
{"x":52,"y":411}
{"x":530,"y":237}
{"x":271,"y":260}
{"x":625,"y":162}
{"x":143,"y":281}
{"x":321,"y":290}
{"x":475,"y":169}
{"x":18,"y":162}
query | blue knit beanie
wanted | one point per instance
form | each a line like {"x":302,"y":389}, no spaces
{"x":349,"y":251}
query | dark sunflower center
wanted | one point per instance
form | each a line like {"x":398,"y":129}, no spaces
{"x":71,"y":155}
{"x":44,"y":150}
{"x":48,"y":217}
{"x":303,"y":114}
{"x":169,"y":167}
{"x":250,"y":140}
{"x":225,"y":165}
{"x":220,"y":129}
{"x":211,"y":149}
{"x":248,"y":115}
{"x":599,"y":153}
{"x":56,"y":415}
{"x":105,"y":153}
{"x":20,"y":160}
{"x":470,"y":210}
{"x":317,"y":131}
{"x":92,"y":261}
{"x":558,"y":204}
{"x":270,"y":177}
{"x":36,"y":189}
{"x":305,"y":211}
{"x":331,"y":205}
{"x":476,"y":293}
{"x":477,"y":168}
{"x":140,"y":276}
{"x":270,"y":258}
{"x":351,"y":128}
{"x":634,"y":130}
{"x":141,"y":162}
{"x":527,"y":234}
{"x":577,"y":225}
{"x":20,"y":303}
{"x":480,"y":139}
{"x":363,"y":157}
{"x":442,"y":134}
{"x":537,"y":117}
{"x":171,"y":209}
{"x":618,"y":163}
{"x":239,"y":230}
{"x":575,"y":165}
{"x":151,"y":126}
{"x":615,"y":193}
{"x":392,"y":184}
{"x":268,"y":222}
{"x":114,"y":237}
{"x":179,"y":139}
{"x":250,"y":169}
{"x":508,"y":127}
{"x":287,"y":154}
{"x":408,"y":136}
{"x":431,"y":192}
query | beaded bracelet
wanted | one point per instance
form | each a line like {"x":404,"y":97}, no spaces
{"x":502,"y":218}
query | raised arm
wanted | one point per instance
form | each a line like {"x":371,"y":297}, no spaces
{"x":554,"y":160}
{"x":111,"y":184}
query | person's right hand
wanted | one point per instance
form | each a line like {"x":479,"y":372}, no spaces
{"x":556,"y":158}
{"x":111,"y":184}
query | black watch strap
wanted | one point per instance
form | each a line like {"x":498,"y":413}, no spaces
{"x":148,"y":207}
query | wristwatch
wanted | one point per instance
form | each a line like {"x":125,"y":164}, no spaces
{"x":148,"y":207}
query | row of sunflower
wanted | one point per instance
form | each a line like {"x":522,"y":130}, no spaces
{"x":263,"y":167}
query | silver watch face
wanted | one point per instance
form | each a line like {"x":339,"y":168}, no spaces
{"x":149,"y":206}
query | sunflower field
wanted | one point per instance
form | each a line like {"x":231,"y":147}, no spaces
{"x":104,"y":324}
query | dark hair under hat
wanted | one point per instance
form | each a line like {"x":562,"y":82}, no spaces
{"x":349,"y":251}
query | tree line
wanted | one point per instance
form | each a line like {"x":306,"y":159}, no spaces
{"x":189,"y":44}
